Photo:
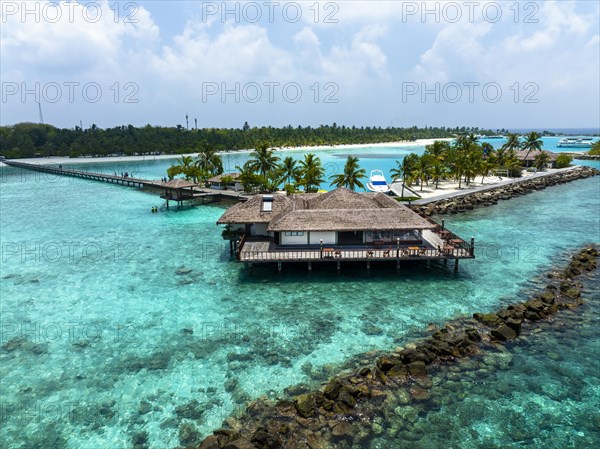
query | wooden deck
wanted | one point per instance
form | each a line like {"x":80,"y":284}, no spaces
{"x":264,"y":252}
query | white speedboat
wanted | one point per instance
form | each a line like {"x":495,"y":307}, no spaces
{"x":575,"y":142}
{"x":377,"y":182}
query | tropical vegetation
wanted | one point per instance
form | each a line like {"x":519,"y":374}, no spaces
{"x":25,"y":140}
{"x":464,"y":159}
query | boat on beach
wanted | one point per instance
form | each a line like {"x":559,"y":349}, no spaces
{"x":377,"y":182}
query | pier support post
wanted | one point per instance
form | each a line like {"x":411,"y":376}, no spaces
{"x":455,"y":264}
{"x":472,"y":249}
{"x":368,"y":264}
{"x":428,"y":263}
{"x":309,"y":266}
{"x":397,"y":264}
{"x":279,"y":266}
{"x":338,"y":265}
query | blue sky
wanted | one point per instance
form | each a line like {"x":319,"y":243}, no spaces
{"x":401,"y":63}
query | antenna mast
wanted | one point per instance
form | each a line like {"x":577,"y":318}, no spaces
{"x":40,"y":110}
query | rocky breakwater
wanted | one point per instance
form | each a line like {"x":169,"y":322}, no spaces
{"x":470,"y":201}
{"x":348,"y":411}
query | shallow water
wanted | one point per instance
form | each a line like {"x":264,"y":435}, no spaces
{"x":114,"y":338}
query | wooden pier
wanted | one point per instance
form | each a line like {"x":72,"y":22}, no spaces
{"x":167,"y":191}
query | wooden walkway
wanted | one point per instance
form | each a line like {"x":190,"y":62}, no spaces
{"x":140,"y":183}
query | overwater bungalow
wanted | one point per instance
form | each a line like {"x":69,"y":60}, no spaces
{"x":226,"y":181}
{"x":340,"y":225}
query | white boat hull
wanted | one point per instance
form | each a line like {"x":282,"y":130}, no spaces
{"x":380,"y":189}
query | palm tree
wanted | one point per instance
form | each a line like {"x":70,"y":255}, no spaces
{"x":404,"y":170}
{"x":474,"y":160}
{"x":351,"y":176}
{"x":541,"y":160}
{"x":186,"y":162}
{"x":533,"y":142}
{"x":311,"y":172}
{"x":263,"y":160}
{"x":209,"y":161}
{"x":438,"y":171}
{"x":437,"y":151}
{"x":487,"y":165}
{"x":513,"y":165}
{"x":512,"y":143}
{"x":422,"y":169}
{"x":288,"y":170}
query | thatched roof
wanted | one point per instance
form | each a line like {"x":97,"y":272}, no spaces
{"x":251,"y":211}
{"x":532,"y":154}
{"x":338,"y":210}
{"x":217,"y":179}
{"x":178,"y":183}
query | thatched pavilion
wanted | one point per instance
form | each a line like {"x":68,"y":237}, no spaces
{"x":337,"y":225}
{"x":178,"y":190}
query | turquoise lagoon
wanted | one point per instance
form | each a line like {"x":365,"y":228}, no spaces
{"x":114,"y":320}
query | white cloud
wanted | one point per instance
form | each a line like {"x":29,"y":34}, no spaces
{"x":54,"y":40}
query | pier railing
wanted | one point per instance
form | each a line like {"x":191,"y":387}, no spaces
{"x":328,"y":255}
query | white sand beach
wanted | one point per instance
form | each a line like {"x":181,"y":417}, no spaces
{"x":450,"y":188}
{"x":96,"y":160}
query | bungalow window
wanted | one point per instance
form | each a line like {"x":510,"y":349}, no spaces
{"x":294,"y":233}
{"x":267,"y":204}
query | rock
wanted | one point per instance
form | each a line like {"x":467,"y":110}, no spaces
{"x":264,"y":440}
{"x":347,"y":398}
{"x":145,"y":407}
{"x":399,"y":370}
{"x":210,"y":442}
{"x":241,"y":443}
{"x":234,"y":357}
{"x":573,"y":293}
{"x":183,"y":270}
{"x":503,"y":333}
{"x":332,"y":389}
{"x":417,"y":369}
{"x":371,"y":329}
{"x":515,"y":325}
{"x":295,"y":390}
{"x":342,"y":429}
{"x":403,"y":397}
{"x":188,"y":434}
{"x":419,"y":394}
{"x":231,"y":385}
{"x":316,"y":441}
{"x":547,"y":297}
{"x":305,"y":405}
{"x":191,"y":410}
{"x":364,"y":372}
{"x":140,"y":439}
{"x":532,"y":316}
{"x":386,"y":363}
{"x":489,"y":319}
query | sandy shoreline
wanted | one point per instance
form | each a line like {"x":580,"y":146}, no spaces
{"x":97,"y":160}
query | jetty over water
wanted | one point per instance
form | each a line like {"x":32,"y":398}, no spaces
{"x":175,"y":190}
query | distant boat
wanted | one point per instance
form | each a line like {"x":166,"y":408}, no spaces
{"x":377,"y":182}
{"x":575,"y":142}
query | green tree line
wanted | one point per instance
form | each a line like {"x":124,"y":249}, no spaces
{"x":26,"y":140}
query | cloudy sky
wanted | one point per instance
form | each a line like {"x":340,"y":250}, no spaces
{"x":398,"y":63}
